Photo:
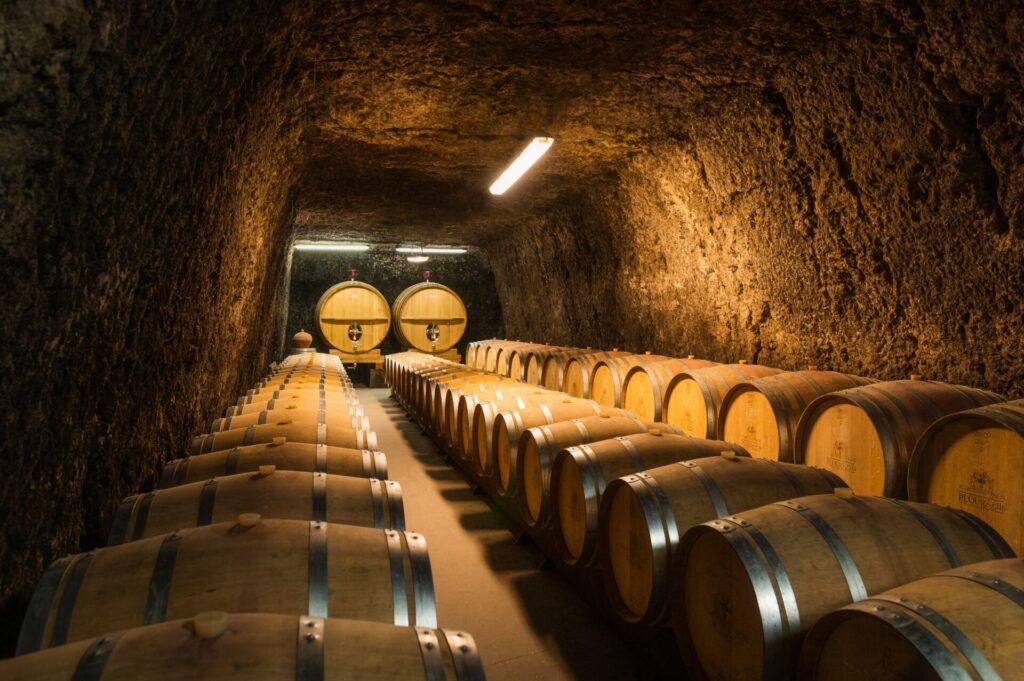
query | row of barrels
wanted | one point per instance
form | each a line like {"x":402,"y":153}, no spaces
{"x":763,"y":568}
{"x":277,"y":550}
{"x":916,"y":439}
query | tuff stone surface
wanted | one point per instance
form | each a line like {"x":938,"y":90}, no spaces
{"x":837,"y":182}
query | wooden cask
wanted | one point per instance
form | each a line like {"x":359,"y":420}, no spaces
{"x":643,"y":515}
{"x":421,"y":382}
{"x":435,"y":411}
{"x":253,"y":565}
{"x":310,"y":359}
{"x":580,"y":474}
{"x":286,"y":456}
{"x":486,"y":414}
{"x":608,"y":375}
{"x":746,"y":587}
{"x":279,"y":495}
{"x":867,"y":434}
{"x":762,"y":414}
{"x":693,"y":397}
{"x":300,"y":413}
{"x":320,"y":434}
{"x":492,"y":357}
{"x":334,"y":367}
{"x":257,"y":647}
{"x":273,"y":391}
{"x":429,"y":317}
{"x":966,"y":623}
{"x":537,"y":448}
{"x":552,"y":373}
{"x":973,"y":461}
{"x":463,"y":430}
{"x":445,"y":416}
{"x":353,"y":317}
{"x":252,"y":397}
{"x":536,"y":360}
{"x":512,"y":360}
{"x":576,"y":379}
{"x":509,"y":428}
{"x":329,"y":401}
{"x":644,"y":385}
{"x":327,"y":381}
{"x":432,"y":386}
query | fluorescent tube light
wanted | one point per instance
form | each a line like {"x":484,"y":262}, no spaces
{"x":330,"y":247}
{"x":418,"y":259}
{"x":433,"y":251}
{"x":531,"y":154}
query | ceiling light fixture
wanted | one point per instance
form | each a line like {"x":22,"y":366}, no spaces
{"x":323,"y":246}
{"x":531,"y":154}
{"x":418,"y":259}
{"x":433,"y":251}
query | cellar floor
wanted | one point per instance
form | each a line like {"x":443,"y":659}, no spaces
{"x":529,"y":623}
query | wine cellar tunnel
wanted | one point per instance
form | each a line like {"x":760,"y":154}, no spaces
{"x":785,"y":184}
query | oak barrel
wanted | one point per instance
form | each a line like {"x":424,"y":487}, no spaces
{"x":580,"y":474}
{"x":966,"y":623}
{"x":576,"y":378}
{"x":762,"y":414}
{"x":642,"y":517}
{"x":298,"y":411}
{"x":425,"y":309}
{"x":320,"y":434}
{"x":329,"y":401}
{"x":486,"y":413}
{"x":283,"y":495}
{"x":258,"y":647}
{"x":286,"y":456}
{"x":746,"y":587}
{"x":608,"y":375}
{"x":866,"y":434}
{"x":468,"y":402}
{"x":254,"y":565}
{"x":315,"y":393}
{"x":353,"y":317}
{"x":552,"y":374}
{"x":644,"y":385}
{"x":537,"y":448}
{"x":533,"y":373}
{"x":973,"y":461}
{"x":693,"y":397}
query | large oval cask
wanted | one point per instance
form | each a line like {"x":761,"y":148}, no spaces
{"x":257,"y":647}
{"x":693,"y":397}
{"x":580,"y":474}
{"x":643,"y":515}
{"x":284,"y":430}
{"x":866,"y":434}
{"x":762,"y":414}
{"x":280,"y":495}
{"x":746,"y":587}
{"x":353,"y":317}
{"x":281,"y":566}
{"x":285,"y":456}
{"x":644,"y":385}
{"x":429,"y":317}
{"x":966,"y":623}
{"x":973,"y":461}
{"x":537,"y":448}
{"x":576,"y":379}
{"x":609,"y":374}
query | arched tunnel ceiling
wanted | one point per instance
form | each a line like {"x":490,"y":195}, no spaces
{"x":418,"y":107}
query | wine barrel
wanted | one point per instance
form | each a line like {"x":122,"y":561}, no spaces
{"x":435,"y":412}
{"x":537,"y":448}
{"x":321,"y":360}
{"x":353,"y":317}
{"x":320,"y":434}
{"x":314,"y":393}
{"x":421,"y":384}
{"x":463,"y":423}
{"x":254,"y":565}
{"x":509,"y":427}
{"x":580,"y":474}
{"x":693,"y":397}
{"x":447,"y":396}
{"x":425,"y":309}
{"x":491,"y":355}
{"x":959,"y":624}
{"x":533,"y":372}
{"x":258,"y":647}
{"x":762,"y":414}
{"x":286,"y":456}
{"x":972,"y":461}
{"x":512,"y":360}
{"x":608,"y":375}
{"x":486,"y":413}
{"x":308,"y":413}
{"x":432,"y":385}
{"x":866,"y":434}
{"x":552,"y":374}
{"x":642,"y":517}
{"x":745,"y":588}
{"x":329,"y":401}
{"x":644,"y":385}
{"x":281,"y":495}
{"x":576,"y":380}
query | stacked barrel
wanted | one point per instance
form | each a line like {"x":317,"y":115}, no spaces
{"x":278,"y":549}
{"x":742,"y":504}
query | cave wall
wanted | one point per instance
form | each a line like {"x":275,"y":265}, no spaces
{"x":863,"y":211}
{"x":469,"y":275}
{"x":145,"y":193}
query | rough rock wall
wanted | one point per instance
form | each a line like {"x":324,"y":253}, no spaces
{"x":468,"y":275}
{"x":863,"y":211}
{"x":143,"y":149}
